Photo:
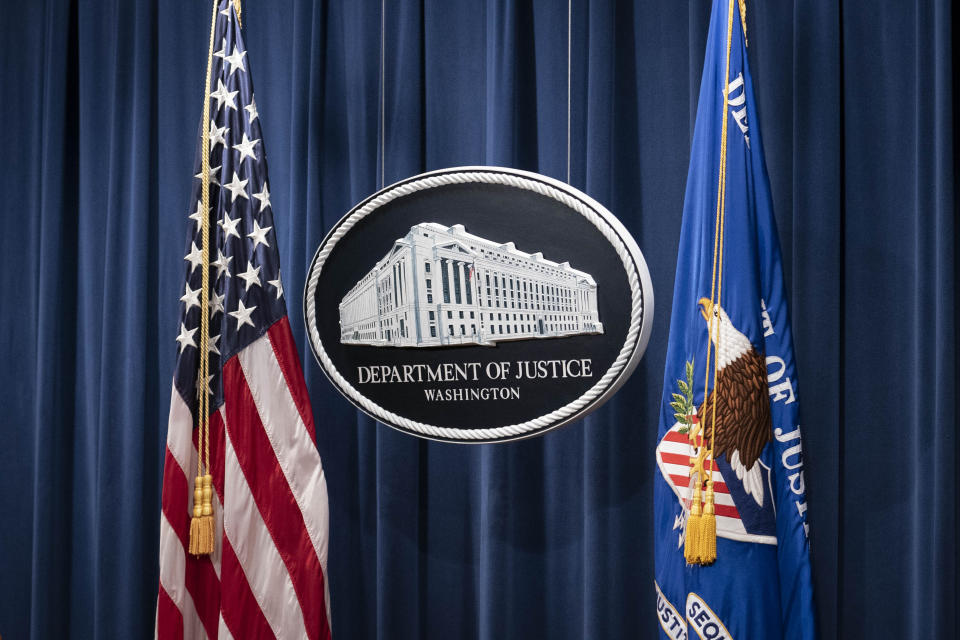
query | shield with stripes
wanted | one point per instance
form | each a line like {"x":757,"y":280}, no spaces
{"x":739,"y":516}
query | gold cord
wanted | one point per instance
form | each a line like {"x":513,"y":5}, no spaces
{"x":700,"y":546}
{"x":205,"y":230}
{"x":719,"y":238}
{"x":743,"y":19}
{"x":201,"y":525}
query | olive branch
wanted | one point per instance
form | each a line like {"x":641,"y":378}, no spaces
{"x":682,"y":404}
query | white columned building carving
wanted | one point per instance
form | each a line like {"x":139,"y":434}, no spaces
{"x":440,"y":286}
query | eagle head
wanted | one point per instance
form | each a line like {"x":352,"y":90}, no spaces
{"x":707,"y":308}
{"x":733,"y":343}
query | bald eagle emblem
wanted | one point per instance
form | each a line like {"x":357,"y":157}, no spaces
{"x":740,"y":426}
{"x":743,"y":426}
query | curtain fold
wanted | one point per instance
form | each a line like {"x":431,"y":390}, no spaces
{"x":549,"y":537}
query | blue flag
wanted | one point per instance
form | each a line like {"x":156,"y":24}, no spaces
{"x":732,"y":550}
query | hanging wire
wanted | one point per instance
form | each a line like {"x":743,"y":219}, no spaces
{"x":569,"y":75}
{"x":381,"y":134}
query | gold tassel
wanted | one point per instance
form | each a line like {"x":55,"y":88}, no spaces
{"x":708,"y":532}
{"x":206,"y":519}
{"x":691,"y":545}
{"x":195,"y":533}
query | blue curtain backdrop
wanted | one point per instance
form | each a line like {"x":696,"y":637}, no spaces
{"x":545,"y":538}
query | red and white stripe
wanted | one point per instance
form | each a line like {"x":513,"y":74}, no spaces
{"x":267,"y":578}
{"x":673,"y":458}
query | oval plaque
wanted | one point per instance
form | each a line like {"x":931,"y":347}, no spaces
{"x":478,"y":304}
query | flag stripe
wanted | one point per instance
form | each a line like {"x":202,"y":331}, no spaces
{"x":180,"y":579}
{"x":224,"y":633}
{"x":285,"y":351}
{"x":180,"y":432}
{"x":216,"y":470}
{"x":683,"y":481}
{"x":253,"y":546}
{"x":720,"y":509}
{"x":292,"y":444}
{"x":675,"y":436}
{"x":318,"y":516}
{"x":169,"y":618}
{"x":726,"y":511}
{"x":239,"y":610}
{"x":204,"y":588}
{"x":684,"y":460}
{"x":272,"y":495}
{"x":310,"y":492}
{"x":174,"y":501}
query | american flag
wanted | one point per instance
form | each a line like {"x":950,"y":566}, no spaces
{"x":267,"y":575}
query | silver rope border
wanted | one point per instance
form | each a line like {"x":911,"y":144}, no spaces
{"x":634,"y":341}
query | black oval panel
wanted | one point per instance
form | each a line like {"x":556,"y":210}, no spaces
{"x":478,"y":304}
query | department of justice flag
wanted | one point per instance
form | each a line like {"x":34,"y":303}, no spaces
{"x":730,"y":511}
{"x":266,"y":577}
